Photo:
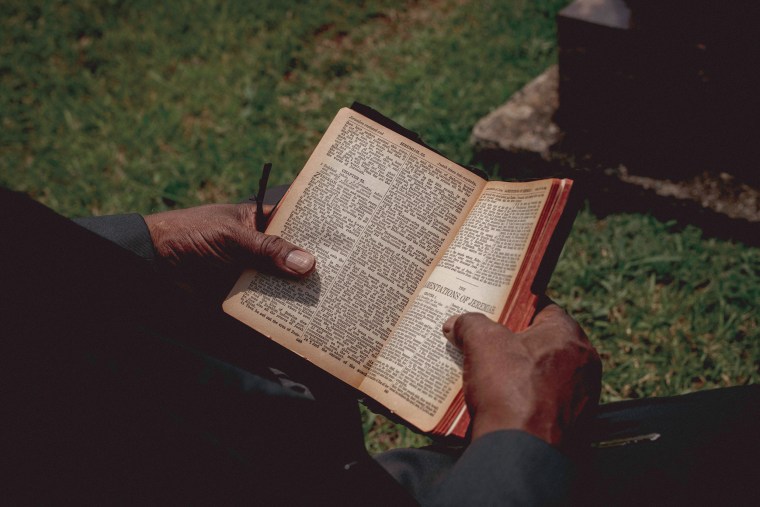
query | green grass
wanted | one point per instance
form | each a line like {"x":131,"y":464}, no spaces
{"x":669,"y":311}
{"x":108,"y":106}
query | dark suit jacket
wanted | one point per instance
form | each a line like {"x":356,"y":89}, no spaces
{"x":123,"y":389}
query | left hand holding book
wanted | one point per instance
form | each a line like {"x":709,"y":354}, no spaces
{"x":203,"y":249}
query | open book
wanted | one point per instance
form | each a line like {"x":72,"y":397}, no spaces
{"x":404,"y":238}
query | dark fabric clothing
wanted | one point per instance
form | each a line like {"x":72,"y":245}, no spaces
{"x":694,"y":449}
{"x":118,"y":388}
{"x":501,"y":468}
{"x":506,"y":468}
{"x":705,"y":451}
{"x":128,"y":231}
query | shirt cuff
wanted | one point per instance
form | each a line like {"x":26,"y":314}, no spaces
{"x":507,"y":467}
{"x":128,"y":231}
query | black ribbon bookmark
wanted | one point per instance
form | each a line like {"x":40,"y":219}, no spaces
{"x":261,"y":219}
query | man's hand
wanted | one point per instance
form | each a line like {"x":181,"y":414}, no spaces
{"x":540,"y":380}
{"x":206,"y":247}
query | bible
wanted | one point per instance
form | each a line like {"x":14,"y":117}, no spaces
{"x":404,"y":238}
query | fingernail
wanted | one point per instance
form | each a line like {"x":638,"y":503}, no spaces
{"x":448,"y":328}
{"x":300,"y":261}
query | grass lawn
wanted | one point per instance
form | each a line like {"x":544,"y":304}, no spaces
{"x":111,"y":106}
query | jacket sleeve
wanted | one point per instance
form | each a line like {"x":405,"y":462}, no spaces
{"x":507,"y":467}
{"x":128,"y":231}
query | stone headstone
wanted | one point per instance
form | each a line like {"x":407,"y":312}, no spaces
{"x":668,"y":86}
{"x":524,"y":123}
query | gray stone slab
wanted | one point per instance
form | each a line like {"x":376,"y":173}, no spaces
{"x":524,"y":123}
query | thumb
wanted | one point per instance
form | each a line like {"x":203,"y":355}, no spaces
{"x":282,"y":254}
{"x":463,"y":330}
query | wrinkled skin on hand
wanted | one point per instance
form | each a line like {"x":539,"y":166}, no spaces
{"x":204,"y":248}
{"x":541,"y":380}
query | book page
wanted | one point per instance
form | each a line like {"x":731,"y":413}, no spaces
{"x":418,"y":368}
{"x":375,"y":209}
